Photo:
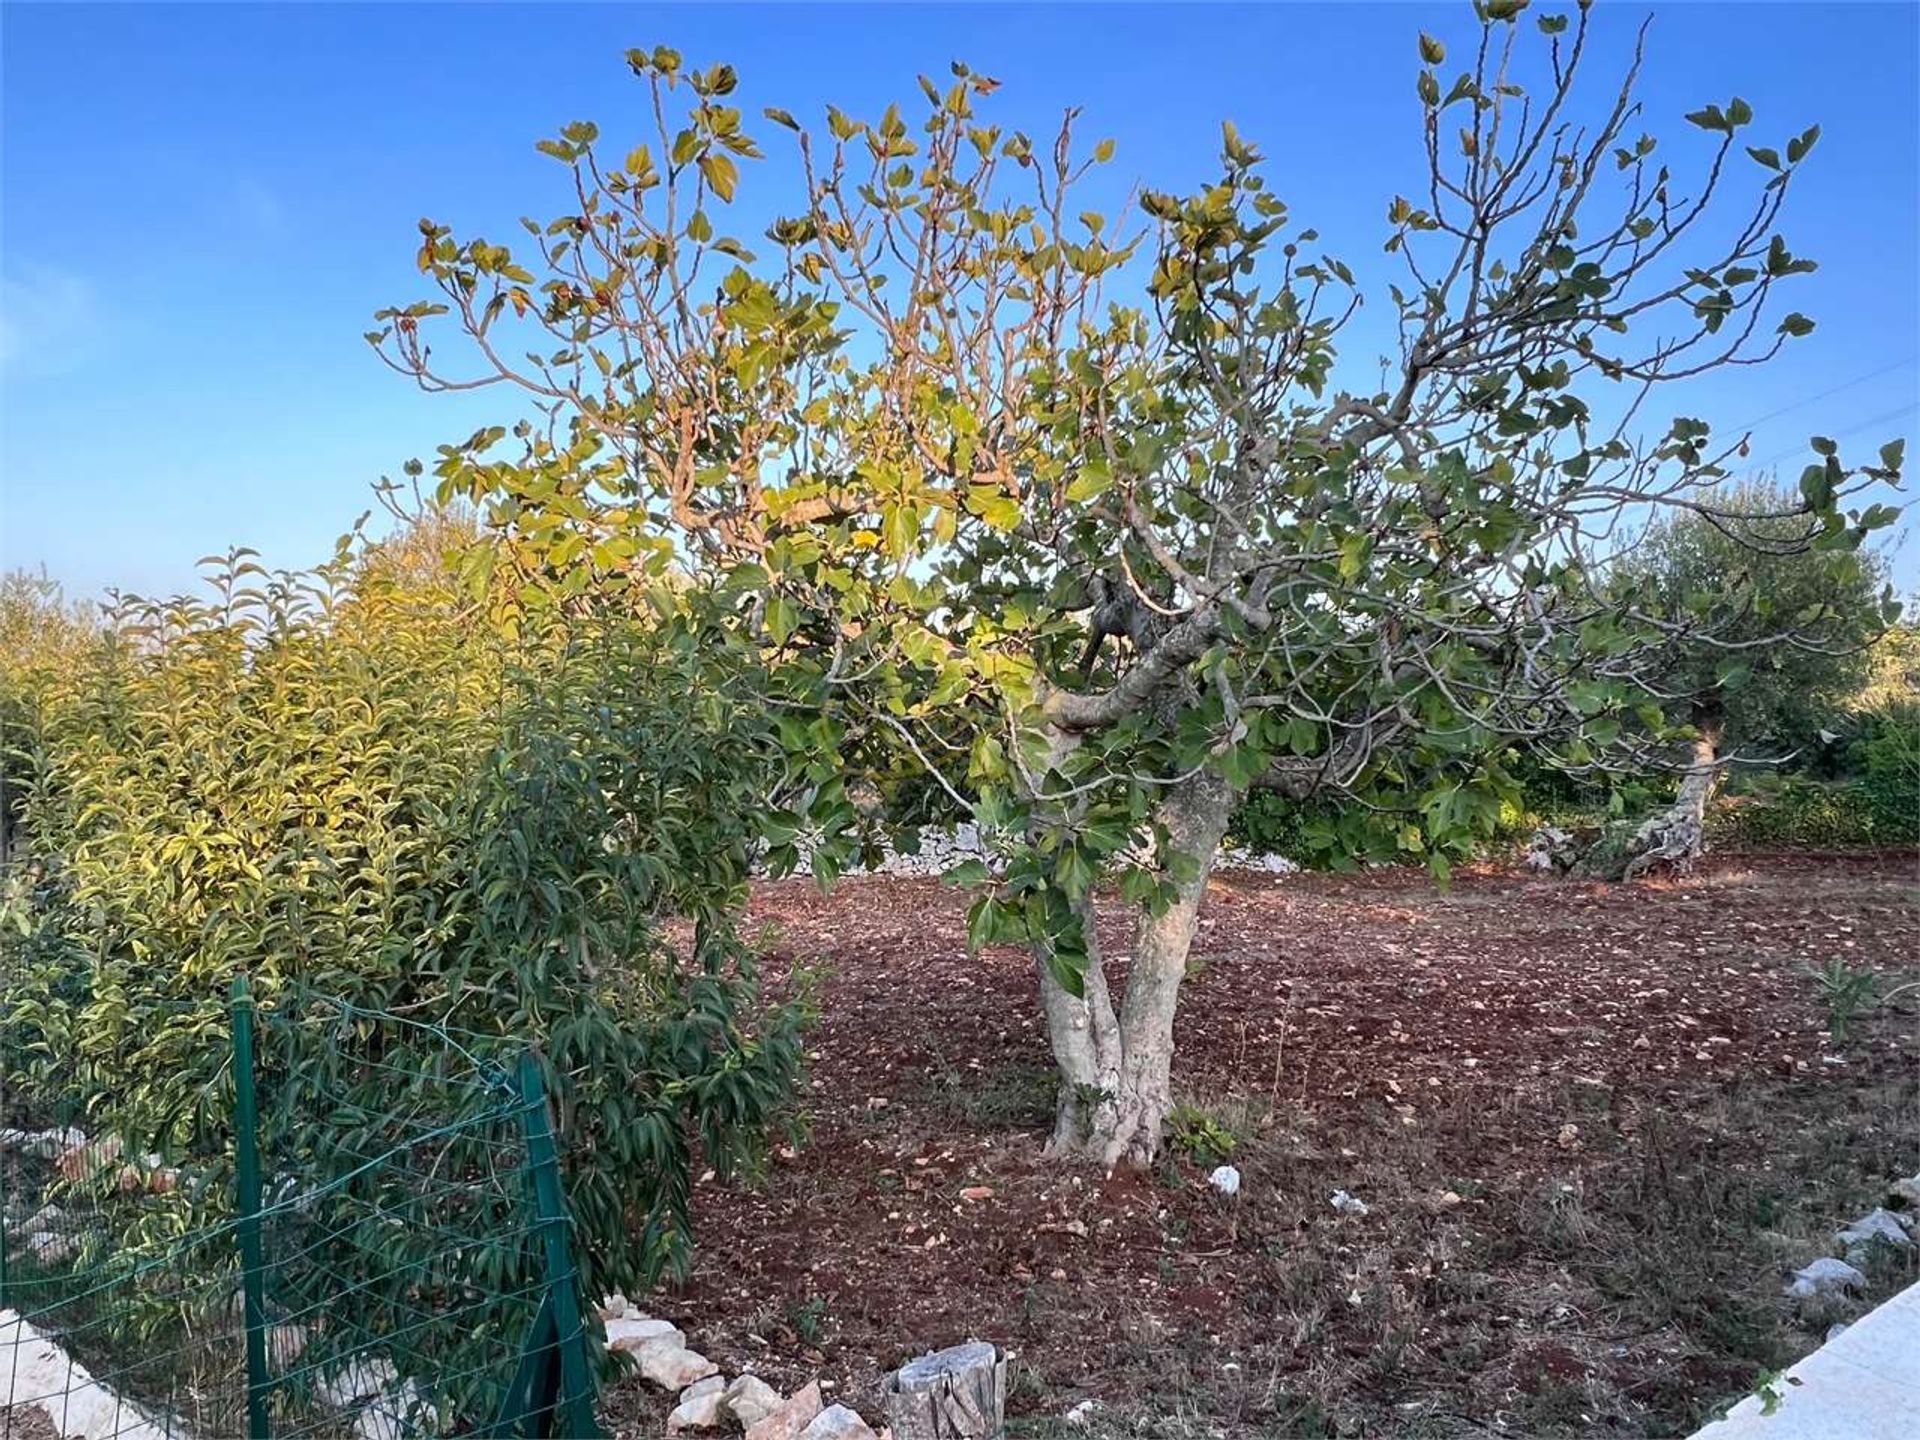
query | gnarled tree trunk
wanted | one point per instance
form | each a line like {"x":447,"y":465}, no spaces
{"x":1116,"y":1069}
{"x":1677,"y":835}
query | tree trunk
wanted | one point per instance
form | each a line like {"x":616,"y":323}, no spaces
{"x":955,"y":1394}
{"x":1085,"y":1035}
{"x":1116,"y":1072}
{"x":1677,"y":835}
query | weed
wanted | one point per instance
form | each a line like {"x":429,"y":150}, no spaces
{"x":1848,"y":990}
{"x":1007,"y":1097}
{"x":1202,"y":1135}
{"x":809,"y":1319}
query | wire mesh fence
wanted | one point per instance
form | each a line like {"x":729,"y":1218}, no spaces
{"x":359,"y":1232}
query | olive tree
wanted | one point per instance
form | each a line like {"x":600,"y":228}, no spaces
{"x":1083,"y":508}
{"x":1787,"y":631}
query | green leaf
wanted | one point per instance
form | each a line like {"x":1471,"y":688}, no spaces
{"x":783,"y":617}
{"x":1093,"y":479}
{"x":967,"y":872}
{"x":993,"y":505}
{"x":1353,"y":554}
{"x":721,"y":173}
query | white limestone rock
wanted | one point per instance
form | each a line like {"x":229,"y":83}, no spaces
{"x":1876,"y":1227}
{"x":749,"y":1399}
{"x":635,"y":1335}
{"x":837,"y":1422}
{"x":791,"y":1419}
{"x":701,"y":1406}
{"x":1825,"y":1279}
{"x":674,"y":1367}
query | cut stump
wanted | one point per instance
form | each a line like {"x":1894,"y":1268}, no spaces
{"x":959,"y":1393}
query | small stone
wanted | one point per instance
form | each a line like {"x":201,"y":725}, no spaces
{"x":792,"y":1417}
{"x":837,"y":1422}
{"x":1825,"y":1278}
{"x":700,"y":1406}
{"x":977,"y":1192}
{"x":1836,"y":1330}
{"x":613,"y":1307}
{"x":1225,"y":1179}
{"x":637,"y":1335}
{"x":1876,"y":1227}
{"x":1347,"y":1205}
{"x":673,"y":1367}
{"x":749,"y":1399}
{"x":1082,"y":1414}
{"x":47,"y":1217}
{"x":285,"y":1342}
{"x":49,"y":1247}
{"x":356,"y":1382}
{"x":1906,"y":1192}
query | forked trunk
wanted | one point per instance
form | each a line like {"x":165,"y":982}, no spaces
{"x":1677,"y":835}
{"x":1116,"y":1072}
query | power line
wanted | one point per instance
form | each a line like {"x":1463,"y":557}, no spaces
{"x":1907,"y":409}
{"x":1845,"y":385}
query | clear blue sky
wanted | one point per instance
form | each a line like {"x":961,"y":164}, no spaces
{"x":204,"y":204}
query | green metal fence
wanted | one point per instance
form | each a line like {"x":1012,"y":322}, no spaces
{"x":374,"y":1247}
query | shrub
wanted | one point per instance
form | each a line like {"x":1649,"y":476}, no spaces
{"x":355,"y":790}
{"x":1798,"y":814}
{"x":1888,"y":756}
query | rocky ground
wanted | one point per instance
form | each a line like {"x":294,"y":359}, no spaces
{"x":1595,"y":1130}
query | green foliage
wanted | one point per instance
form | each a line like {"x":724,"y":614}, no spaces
{"x":1800,"y":813}
{"x":1737,"y":577}
{"x":809,"y":1319}
{"x":1201,"y":1135}
{"x":1888,"y":757}
{"x":902,"y":491}
{"x":341,"y":785}
{"x":1847,"y":990}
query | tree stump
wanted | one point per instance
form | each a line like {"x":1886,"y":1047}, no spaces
{"x":959,"y":1393}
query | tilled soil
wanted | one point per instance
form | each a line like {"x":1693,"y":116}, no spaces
{"x":1594,"y":1125}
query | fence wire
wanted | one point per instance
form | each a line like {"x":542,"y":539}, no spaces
{"x":362,"y":1237}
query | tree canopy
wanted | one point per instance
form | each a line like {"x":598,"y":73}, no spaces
{"x":1790,"y":626}
{"x":1086,"y":515}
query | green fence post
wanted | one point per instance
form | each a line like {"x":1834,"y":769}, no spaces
{"x":572,"y":1415}
{"x":247,"y":1202}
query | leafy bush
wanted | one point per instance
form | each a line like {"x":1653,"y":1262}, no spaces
{"x":1799,"y":814}
{"x":1888,"y":755}
{"x":351,"y":789}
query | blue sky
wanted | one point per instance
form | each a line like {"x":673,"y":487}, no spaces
{"x":203,"y":205}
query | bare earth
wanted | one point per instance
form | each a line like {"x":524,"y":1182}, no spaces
{"x":1595,"y":1126}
